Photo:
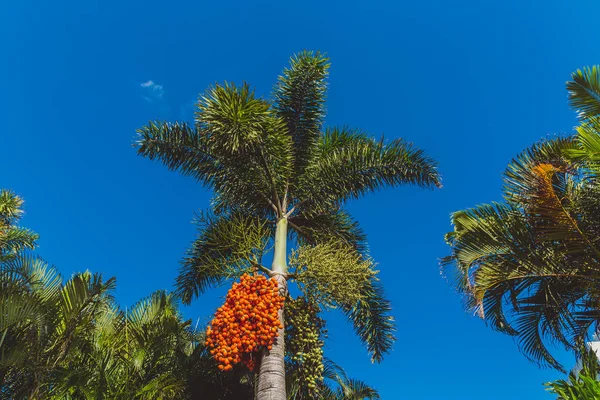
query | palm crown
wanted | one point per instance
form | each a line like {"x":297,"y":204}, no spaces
{"x":272,"y":165}
{"x":274,"y":160}
{"x":529,"y":265}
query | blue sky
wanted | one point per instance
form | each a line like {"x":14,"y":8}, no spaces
{"x":471,"y":82}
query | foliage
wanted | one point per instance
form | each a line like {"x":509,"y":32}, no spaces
{"x":338,"y":386}
{"x":69,"y":340}
{"x":529,"y":265}
{"x":272,"y":160}
{"x":582,"y":384}
{"x":13,"y":239}
{"x":228,"y":245}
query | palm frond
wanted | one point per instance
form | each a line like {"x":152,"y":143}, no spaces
{"x":11,"y":207}
{"x":179,"y":147}
{"x":522,"y":281}
{"x":544,"y":184}
{"x":325,"y":228}
{"x":227,"y":244}
{"x":250,"y":145}
{"x":582,"y":384}
{"x":372,"y":321}
{"x":300,"y":102}
{"x":584,"y":92}
{"x":234,"y":121}
{"x":348,"y":164}
{"x":520,"y":177}
{"x":339,"y":386}
{"x":585,"y":153}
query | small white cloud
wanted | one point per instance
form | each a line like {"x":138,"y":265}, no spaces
{"x":153,"y":91}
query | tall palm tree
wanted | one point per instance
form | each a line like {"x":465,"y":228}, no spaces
{"x":277,"y":173}
{"x":530,"y":264}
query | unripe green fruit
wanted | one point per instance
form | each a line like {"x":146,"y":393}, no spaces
{"x":304,"y":343}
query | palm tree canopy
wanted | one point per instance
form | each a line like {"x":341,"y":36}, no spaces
{"x":271,"y":159}
{"x":13,"y":239}
{"x":529,"y":265}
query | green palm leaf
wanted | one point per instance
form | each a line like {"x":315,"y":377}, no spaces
{"x":528,"y":266}
{"x":179,"y":147}
{"x":584,"y":92}
{"x":300,"y":102}
{"x":348,"y":164}
{"x":227,"y":245}
{"x":331,"y":227}
{"x":372,"y":321}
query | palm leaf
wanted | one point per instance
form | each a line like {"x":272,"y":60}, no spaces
{"x":372,"y":321}
{"x":584,"y":92}
{"x":226,"y":245}
{"x":300,"y":102}
{"x":325,"y":228}
{"x":348,"y":164}
{"x":179,"y":147}
{"x":339,"y":386}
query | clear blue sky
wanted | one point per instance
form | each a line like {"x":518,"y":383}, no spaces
{"x":471,"y":82}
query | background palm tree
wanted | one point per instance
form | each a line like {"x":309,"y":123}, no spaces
{"x":277,"y":173}
{"x":530,"y":264}
{"x":13,"y":239}
{"x":69,"y":340}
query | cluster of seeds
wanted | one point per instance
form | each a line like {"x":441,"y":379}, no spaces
{"x":305,"y":332}
{"x":247,"y":323}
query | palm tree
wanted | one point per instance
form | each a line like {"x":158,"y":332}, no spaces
{"x":142,"y":353}
{"x":70,"y":341}
{"x":276,"y":173}
{"x":529,"y":265}
{"x":13,"y":239}
{"x":43,"y":323}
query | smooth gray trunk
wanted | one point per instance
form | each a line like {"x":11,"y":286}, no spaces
{"x":271,"y":375}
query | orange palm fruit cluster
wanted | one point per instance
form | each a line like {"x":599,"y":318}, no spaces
{"x":247,"y":323}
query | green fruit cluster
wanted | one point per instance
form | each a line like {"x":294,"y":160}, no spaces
{"x":304,"y":343}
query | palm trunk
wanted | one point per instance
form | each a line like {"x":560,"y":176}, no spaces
{"x":271,"y":375}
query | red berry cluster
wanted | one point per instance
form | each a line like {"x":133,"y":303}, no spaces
{"x":247,"y":323}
